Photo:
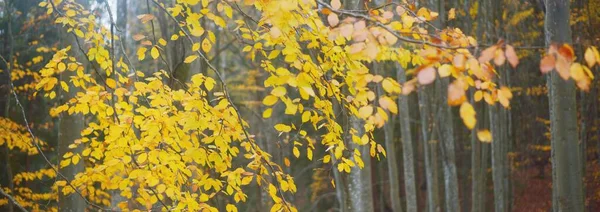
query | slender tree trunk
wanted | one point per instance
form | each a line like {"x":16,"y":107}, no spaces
{"x":477,"y":169}
{"x":430,"y":151}
{"x":392,"y":167}
{"x":567,"y":184}
{"x":407,"y":147}
{"x":70,"y":127}
{"x":9,"y":173}
{"x":360,"y":197}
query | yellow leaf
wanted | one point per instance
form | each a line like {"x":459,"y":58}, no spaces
{"x":484,"y":136}
{"x":71,"y":13}
{"x":64,"y":86}
{"x":365,"y":112}
{"x":270,"y":100}
{"x":206,"y":45}
{"x":231,"y":208}
{"x":75,"y":159}
{"x":190,"y":59}
{"x":451,"y":14}
{"x":154,"y":52}
{"x":279,"y":91}
{"x":267,"y":113}
{"x":111,"y":83}
{"x":61,"y":66}
{"x":296,"y":152}
{"x":445,"y":70}
{"x":389,"y":104}
{"x":79,"y":33}
{"x":161,"y":188}
{"x":142,"y":158}
{"x":478,"y":96}
{"x":196,"y":46}
{"x":305,"y":116}
{"x":209,"y":83}
{"x":467,"y":113}
{"x":141,"y":53}
{"x":283,"y":128}
{"x":162,"y":42}
{"x":174,"y":37}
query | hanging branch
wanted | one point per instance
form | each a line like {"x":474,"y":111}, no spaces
{"x":12,"y":199}
{"x":227,"y":96}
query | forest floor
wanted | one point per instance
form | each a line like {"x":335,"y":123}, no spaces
{"x":533,"y":188}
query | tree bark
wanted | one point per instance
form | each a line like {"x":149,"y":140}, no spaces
{"x":430,"y":151}
{"x":567,"y":188}
{"x":407,"y":147}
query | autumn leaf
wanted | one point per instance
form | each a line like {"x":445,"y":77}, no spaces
{"x":445,"y":70}
{"x":190,"y":59}
{"x":487,"y":54}
{"x":279,"y":91}
{"x":333,"y":20}
{"x":154,"y":52}
{"x":467,"y":113}
{"x":270,"y":100}
{"x":563,"y":67}
{"x":336,"y":4}
{"x":456,"y":93}
{"x":511,"y":55}
{"x":484,"y":136}
{"x":206,"y":45}
{"x":451,"y":14}
{"x":365,"y":111}
{"x":111,"y":83}
{"x":426,"y":76}
{"x":547,"y":64}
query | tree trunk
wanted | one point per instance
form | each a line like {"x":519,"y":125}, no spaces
{"x":567,"y":188}
{"x":392,"y":166}
{"x":407,"y":146}
{"x":430,"y":151}
{"x":10,"y":43}
{"x":360,"y":197}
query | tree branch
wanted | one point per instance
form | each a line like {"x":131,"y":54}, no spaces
{"x":12,"y":199}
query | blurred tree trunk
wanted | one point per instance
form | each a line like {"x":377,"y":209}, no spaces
{"x":407,"y":146}
{"x":446,"y":127}
{"x":567,"y":188}
{"x":360,"y":195}
{"x":430,"y":150}
{"x":10,"y":42}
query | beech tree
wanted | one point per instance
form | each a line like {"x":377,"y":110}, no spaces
{"x":229,"y":105}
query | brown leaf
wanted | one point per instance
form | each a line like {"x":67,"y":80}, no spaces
{"x":336,"y":4}
{"x":426,"y":76}
{"x":487,"y":54}
{"x":145,"y":17}
{"x":567,"y":52}
{"x":547,"y":64}
{"x":138,"y":37}
{"x":563,"y":67}
{"x":333,"y":19}
{"x":456,"y":93}
{"x":511,"y":55}
{"x":458,"y":61}
{"x":499,"y":58}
